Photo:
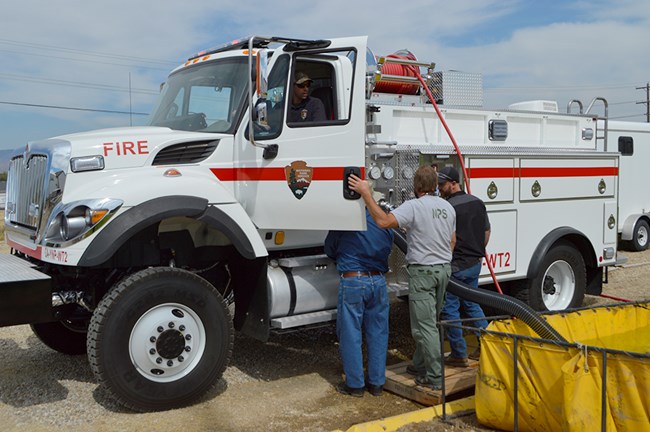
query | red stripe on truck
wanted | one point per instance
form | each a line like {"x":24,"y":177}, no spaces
{"x":275,"y":174}
{"x":476,"y":173}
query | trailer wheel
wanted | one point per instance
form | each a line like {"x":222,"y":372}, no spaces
{"x":160,"y":339}
{"x":640,"y":236}
{"x":561,"y":282}
{"x":67,"y":337}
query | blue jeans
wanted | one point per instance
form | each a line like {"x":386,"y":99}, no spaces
{"x":451,"y":311}
{"x":363,"y":304}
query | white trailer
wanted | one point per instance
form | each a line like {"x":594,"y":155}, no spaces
{"x":632,"y":141}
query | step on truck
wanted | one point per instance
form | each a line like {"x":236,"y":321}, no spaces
{"x":147,"y":247}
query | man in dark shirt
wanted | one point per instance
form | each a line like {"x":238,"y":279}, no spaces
{"x":472,"y":235}
{"x":362,"y":259}
{"x":303,"y":107}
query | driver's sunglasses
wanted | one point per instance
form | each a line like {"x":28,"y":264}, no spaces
{"x":303,"y":85}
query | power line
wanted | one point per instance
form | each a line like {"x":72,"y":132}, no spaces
{"x":625,"y":116}
{"x":129,"y":64}
{"x":74,"y":84}
{"x":90,"y":53}
{"x":72,"y":108}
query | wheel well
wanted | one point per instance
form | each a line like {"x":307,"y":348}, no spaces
{"x":627,"y":228}
{"x":199,"y":247}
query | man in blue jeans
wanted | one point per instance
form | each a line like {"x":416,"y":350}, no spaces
{"x":362,"y":259}
{"x":472,"y":235}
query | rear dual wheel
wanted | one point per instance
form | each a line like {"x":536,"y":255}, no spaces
{"x":561,"y":282}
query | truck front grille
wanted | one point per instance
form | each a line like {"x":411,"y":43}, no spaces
{"x":26,"y":190}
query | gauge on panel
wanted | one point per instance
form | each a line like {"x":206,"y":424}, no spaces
{"x":388,"y":172}
{"x":374,"y":173}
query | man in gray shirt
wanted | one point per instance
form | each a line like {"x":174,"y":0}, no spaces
{"x":430,"y":222}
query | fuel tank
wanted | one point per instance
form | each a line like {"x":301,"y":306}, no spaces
{"x":301,"y":285}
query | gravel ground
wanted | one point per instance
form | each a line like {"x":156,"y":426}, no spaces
{"x":285,"y":384}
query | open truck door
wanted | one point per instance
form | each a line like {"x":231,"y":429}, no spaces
{"x":294,"y":174}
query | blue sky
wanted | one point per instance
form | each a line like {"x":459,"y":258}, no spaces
{"x":87,"y":55}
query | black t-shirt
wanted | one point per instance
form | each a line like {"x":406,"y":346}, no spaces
{"x":310,"y":109}
{"x":471,"y":223}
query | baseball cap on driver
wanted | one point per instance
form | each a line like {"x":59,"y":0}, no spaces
{"x":448,"y":173}
{"x":302,"y":77}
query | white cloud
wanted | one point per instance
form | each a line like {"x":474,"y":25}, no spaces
{"x":83,"y":52}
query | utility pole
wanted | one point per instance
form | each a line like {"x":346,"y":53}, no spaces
{"x":647,"y":101}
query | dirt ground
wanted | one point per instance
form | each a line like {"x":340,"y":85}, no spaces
{"x":285,"y":384}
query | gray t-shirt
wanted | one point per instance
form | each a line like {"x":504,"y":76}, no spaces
{"x":430,"y":222}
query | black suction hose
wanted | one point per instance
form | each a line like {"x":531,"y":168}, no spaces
{"x":507,"y":304}
{"x":502,"y":302}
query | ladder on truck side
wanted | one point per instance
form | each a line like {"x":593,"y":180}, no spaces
{"x":604,"y":118}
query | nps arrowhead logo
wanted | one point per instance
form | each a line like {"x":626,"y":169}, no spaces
{"x":299,"y":177}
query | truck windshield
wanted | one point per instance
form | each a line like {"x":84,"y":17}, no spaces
{"x":207,"y":97}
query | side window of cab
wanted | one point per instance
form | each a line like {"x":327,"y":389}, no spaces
{"x":320,"y":89}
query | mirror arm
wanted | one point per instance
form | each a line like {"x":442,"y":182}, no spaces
{"x":270,"y":150}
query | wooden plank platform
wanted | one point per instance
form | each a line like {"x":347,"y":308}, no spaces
{"x":456,"y":380}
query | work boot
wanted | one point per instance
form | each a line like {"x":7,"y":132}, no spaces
{"x":375,"y":390}
{"x":412,"y":370}
{"x":424,"y":382}
{"x":343,"y":388}
{"x":456,"y":361}
{"x":476,"y":354}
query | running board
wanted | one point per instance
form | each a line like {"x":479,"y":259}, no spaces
{"x":303,"y":319}
{"x":397,"y":290}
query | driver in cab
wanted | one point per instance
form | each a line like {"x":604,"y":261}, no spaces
{"x":303,"y":107}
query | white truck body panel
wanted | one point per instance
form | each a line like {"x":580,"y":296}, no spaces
{"x":634,"y":201}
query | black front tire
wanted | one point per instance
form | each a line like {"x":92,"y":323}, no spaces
{"x":160,"y":339}
{"x":67,"y":337}
{"x":561,"y":282}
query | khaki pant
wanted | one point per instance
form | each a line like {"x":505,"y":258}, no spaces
{"x":427,"y":285}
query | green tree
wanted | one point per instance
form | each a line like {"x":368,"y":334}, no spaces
{"x":3,"y":176}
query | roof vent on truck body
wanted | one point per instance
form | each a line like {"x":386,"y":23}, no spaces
{"x":535,"y":105}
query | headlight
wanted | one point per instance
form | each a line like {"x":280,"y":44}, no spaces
{"x":71,"y":227}
{"x":87,"y":163}
{"x":75,"y":221}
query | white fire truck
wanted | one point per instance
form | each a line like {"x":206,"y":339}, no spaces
{"x":129,"y":243}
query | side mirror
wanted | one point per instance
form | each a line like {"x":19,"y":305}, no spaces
{"x":260,"y":112}
{"x":262,"y":78}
